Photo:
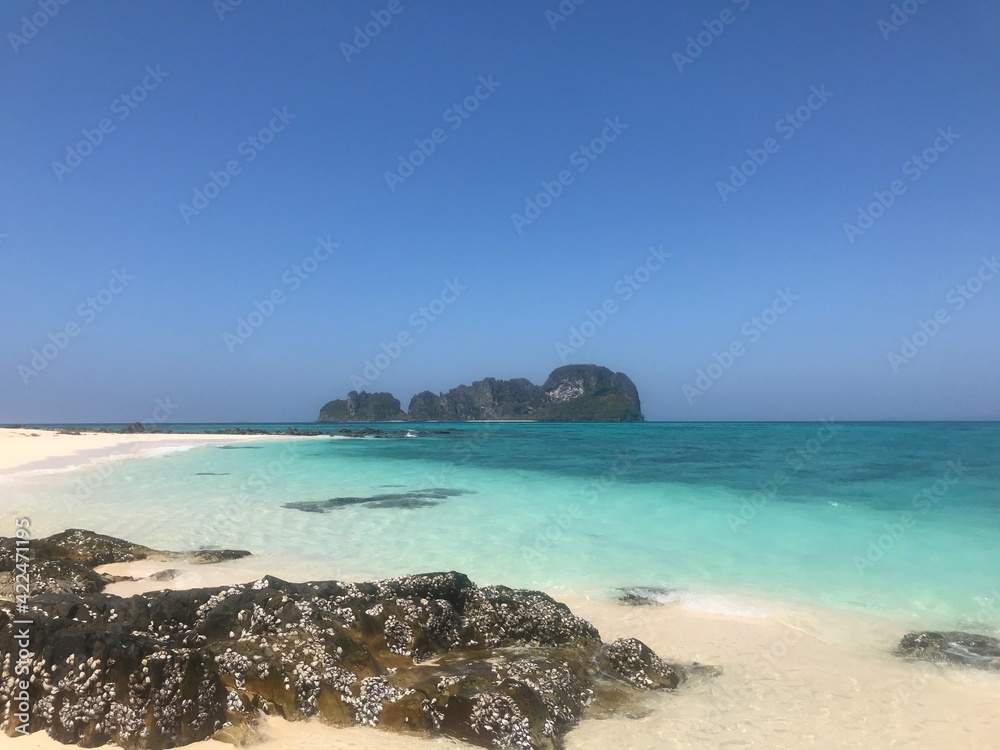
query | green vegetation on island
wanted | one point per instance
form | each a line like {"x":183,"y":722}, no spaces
{"x":572,"y":393}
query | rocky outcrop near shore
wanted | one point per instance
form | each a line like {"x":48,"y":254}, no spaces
{"x":955,"y":647}
{"x":428,"y":655}
{"x":64,"y":563}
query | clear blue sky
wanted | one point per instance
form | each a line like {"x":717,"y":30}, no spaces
{"x":207,"y":85}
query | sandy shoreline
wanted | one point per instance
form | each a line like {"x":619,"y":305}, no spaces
{"x":27,"y":449}
{"x":794,"y":677}
{"x":798,"y":678}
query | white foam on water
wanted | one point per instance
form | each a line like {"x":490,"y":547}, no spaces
{"x":83,"y":463}
{"x":711,"y":603}
{"x":705,"y":602}
{"x":656,"y":595}
{"x":165,"y":450}
{"x":56,"y":470}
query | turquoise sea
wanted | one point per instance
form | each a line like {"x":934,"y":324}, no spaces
{"x":901,"y":519}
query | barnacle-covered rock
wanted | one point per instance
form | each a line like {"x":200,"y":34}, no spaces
{"x":64,"y":563}
{"x":634,"y":662}
{"x":956,"y":647}
{"x":54,"y":577}
{"x":429,"y":654}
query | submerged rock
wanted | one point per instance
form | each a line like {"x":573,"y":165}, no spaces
{"x":429,"y":654}
{"x":364,"y":432}
{"x":970,"y":649}
{"x":634,"y":662}
{"x":407,"y":500}
{"x":375,"y":432}
{"x":646,"y":596}
{"x":292,"y":431}
{"x":54,"y":576}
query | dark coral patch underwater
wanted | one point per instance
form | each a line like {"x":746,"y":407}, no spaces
{"x":408,"y":500}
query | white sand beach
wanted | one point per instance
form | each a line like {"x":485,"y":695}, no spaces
{"x":26,"y":449}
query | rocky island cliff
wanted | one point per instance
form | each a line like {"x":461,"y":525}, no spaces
{"x":572,"y":393}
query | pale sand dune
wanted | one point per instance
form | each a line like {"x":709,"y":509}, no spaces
{"x":31,"y":450}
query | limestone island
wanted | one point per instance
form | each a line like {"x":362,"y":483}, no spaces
{"x":572,"y":393}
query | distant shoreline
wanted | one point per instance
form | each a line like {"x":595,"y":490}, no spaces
{"x":39,"y":449}
{"x":180,"y":428}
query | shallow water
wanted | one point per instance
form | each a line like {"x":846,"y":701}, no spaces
{"x":897,"y":519}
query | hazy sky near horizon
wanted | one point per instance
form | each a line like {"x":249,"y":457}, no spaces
{"x":756,"y":210}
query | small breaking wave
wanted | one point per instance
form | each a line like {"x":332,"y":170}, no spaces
{"x":695,"y":601}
